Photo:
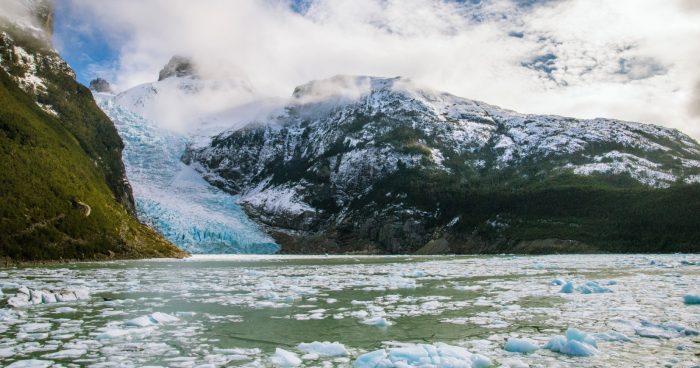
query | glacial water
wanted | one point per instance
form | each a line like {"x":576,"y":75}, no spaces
{"x":222,"y":311}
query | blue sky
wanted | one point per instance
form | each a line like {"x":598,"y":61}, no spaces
{"x":89,"y":49}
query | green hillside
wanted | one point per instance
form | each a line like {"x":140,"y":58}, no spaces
{"x":63,"y":191}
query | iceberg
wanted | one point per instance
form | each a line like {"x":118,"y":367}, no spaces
{"x":575,"y":343}
{"x":592,"y":287}
{"x":157,"y":318}
{"x":691,"y":299}
{"x":568,"y":288}
{"x":26,"y":296}
{"x":589,"y":287}
{"x":378,"y":321}
{"x":284,"y":358}
{"x":664,"y":330}
{"x":326,"y":349}
{"x":516,"y":345}
{"x":424,"y":356}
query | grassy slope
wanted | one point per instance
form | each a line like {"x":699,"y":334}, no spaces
{"x":45,"y":171}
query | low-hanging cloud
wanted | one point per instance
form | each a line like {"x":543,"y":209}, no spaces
{"x":585,"y":58}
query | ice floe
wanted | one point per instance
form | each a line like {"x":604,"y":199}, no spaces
{"x":422,"y":355}
{"x":284,"y":358}
{"x":588,"y":287}
{"x":26,"y":296}
{"x":516,"y":345}
{"x":575,"y":343}
{"x":691,"y":299}
{"x":327,"y":349}
{"x":664,"y":330}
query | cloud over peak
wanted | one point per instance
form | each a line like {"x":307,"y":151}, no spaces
{"x":585,"y":58}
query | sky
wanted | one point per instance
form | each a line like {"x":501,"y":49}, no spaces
{"x":626,"y":59}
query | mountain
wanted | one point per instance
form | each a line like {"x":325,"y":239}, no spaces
{"x":63,"y":189}
{"x":365,"y":164}
{"x":157,"y":122}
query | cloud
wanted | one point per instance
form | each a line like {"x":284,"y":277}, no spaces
{"x":584,"y":58}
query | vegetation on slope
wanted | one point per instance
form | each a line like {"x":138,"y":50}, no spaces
{"x":63,"y":190}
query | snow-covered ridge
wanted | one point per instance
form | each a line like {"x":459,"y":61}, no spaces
{"x":26,"y":67}
{"x":353,"y":131}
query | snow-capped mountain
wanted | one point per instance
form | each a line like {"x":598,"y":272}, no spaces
{"x":365,"y":163}
{"x":157,"y":122}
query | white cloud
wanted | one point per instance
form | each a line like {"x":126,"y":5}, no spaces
{"x":625,"y":59}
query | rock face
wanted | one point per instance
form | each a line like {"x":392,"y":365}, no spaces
{"x":178,"y":66}
{"x":58,"y":145}
{"x":382,"y":165}
{"x":100,"y":85}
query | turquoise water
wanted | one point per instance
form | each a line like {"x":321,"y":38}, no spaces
{"x":236,"y":310}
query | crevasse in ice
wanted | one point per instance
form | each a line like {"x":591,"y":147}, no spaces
{"x":172,"y":197}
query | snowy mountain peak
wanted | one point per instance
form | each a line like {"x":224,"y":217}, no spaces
{"x":178,"y":66}
{"x":322,"y":164}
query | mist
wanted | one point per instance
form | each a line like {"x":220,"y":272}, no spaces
{"x":582,"y":58}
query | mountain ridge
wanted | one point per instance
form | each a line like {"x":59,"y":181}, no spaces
{"x":313,"y":173}
{"x":64,"y":194}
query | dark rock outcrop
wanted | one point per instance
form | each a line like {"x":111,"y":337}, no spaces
{"x":178,"y":66}
{"x":100,"y":85}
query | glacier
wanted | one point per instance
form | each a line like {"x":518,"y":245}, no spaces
{"x":171,"y":196}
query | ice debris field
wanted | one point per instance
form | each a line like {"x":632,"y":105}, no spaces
{"x":346,"y":311}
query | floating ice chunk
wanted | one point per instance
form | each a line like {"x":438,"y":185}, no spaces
{"x":7,"y":352}
{"x":556,"y":282}
{"x":153,"y":319}
{"x":664,"y":330}
{"x":516,"y":345}
{"x":185,"y":314}
{"x":65,"y":354}
{"x":377,"y":321}
{"x":419,"y":273}
{"x":468,"y":287}
{"x":568,"y":288}
{"x":328,"y":349}
{"x":65,"y":310}
{"x":26,"y":296}
{"x":142,"y":321}
{"x":576,"y":343}
{"x":611,"y":336}
{"x":359,"y":314}
{"x":578,"y":335}
{"x":19,"y":300}
{"x":514,"y":363}
{"x":691,"y":299}
{"x":592,"y":287}
{"x":35,"y":327}
{"x":424,"y":356}
{"x":371,"y":359}
{"x":284,"y":358}
{"x":163,"y":318}
{"x":431,"y":305}
{"x":310,"y":356}
{"x":31,"y":363}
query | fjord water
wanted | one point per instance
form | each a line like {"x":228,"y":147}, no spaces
{"x":236,"y":310}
